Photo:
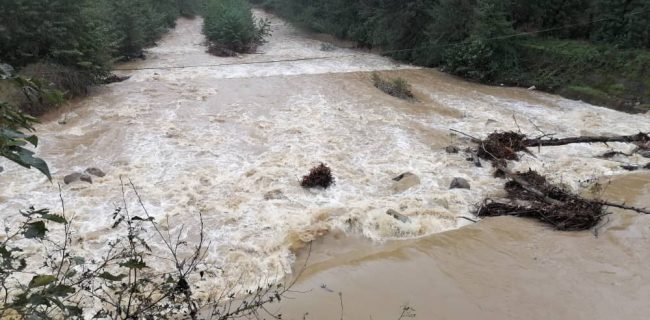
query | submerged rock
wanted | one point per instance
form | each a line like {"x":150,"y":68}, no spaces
{"x":74,"y":177}
{"x":95,"y":172}
{"x":2,"y":169}
{"x":405,"y":181}
{"x":398,"y":216}
{"x":459,"y":183}
{"x":452,"y":149}
{"x":276,"y":194}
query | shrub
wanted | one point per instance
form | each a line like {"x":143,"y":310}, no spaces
{"x":122,"y":284}
{"x":71,"y":81}
{"x":396,"y":87}
{"x":231,"y":27}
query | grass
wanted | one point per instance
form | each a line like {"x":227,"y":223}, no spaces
{"x":396,"y":87}
{"x":594,"y":73}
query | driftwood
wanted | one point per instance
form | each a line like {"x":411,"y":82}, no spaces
{"x":530,"y":195}
{"x":506,"y":145}
{"x":639,"y":137}
{"x":625,"y":207}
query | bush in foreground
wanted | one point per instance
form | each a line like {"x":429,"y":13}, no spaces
{"x":131,"y":280}
{"x":231,"y":27}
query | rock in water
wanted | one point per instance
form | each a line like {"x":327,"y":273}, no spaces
{"x":459,"y":183}
{"x":95,"y":172}
{"x":404,"y":182}
{"x":74,"y":177}
{"x":86,"y":178}
{"x":276,"y":194}
{"x":2,"y":169}
{"x":644,"y":153}
{"x":398,"y":216}
{"x":452,"y":149}
{"x":71,"y":178}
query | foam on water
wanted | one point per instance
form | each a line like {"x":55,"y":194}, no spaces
{"x":216,"y":139}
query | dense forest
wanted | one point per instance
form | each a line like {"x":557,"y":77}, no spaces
{"x":589,"y":49}
{"x":73,"y":43}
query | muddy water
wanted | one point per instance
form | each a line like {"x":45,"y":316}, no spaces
{"x":502,"y":268}
{"x":198,"y":133}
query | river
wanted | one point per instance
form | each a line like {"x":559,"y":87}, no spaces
{"x":198,"y":133}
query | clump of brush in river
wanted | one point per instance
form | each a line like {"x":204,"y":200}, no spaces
{"x":319,"y":176}
{"x":530,"y":195}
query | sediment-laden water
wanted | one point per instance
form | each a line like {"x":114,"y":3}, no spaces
{"x":198,"y":133}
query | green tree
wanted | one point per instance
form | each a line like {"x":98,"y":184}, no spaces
{"x":231,"y":27}
{"x":626,"y":23}
{"x":489,"y":49}
{"x":57,"y":30}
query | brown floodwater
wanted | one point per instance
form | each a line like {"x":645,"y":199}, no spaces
{"x":198,"y":133}
{"x":499,"y":268}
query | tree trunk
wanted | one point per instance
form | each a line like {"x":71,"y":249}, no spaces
{"x":640,"y":137}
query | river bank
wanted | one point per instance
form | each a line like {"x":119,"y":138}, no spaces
{"x":500,"y":48}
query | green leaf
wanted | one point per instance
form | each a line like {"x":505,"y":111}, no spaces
{"x":41,"y":280}
{"x":110,"y":277}
{"x":74,"y":311}
{"x":33,"y":140}
{"x":60,"y":290}
{"x":37,"y":299}
{"x":4,"y":252}
{"x":133,"y":264}
{"x":35,"y":230}
{"x":26,"y":159}
{"x":78,"y":260}
{"x":55,"y":218}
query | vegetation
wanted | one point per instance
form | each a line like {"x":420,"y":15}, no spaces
{"x":16,"y":127}
{"x":555,"y":45}
{"x":58,"y":282}
{"x":73,"y":43}
{"x":231,"y":28}
{"x":396,"y":87}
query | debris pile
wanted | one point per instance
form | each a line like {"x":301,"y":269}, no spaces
{"x":530,"y":195}
{"x":319,"y":176}
{"x":502,"y":145}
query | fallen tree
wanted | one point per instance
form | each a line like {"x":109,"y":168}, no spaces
{"x":530,"y":195}
{"x":506,"y":145}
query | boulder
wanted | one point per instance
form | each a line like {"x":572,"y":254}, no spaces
{"x":95,"y":172}
{"x":459,"y":183}
{"x":644,"y":153}
{"x":404,"y":182}
{"x":398,"y":216}
{"x":276,"y":194}
{"x":452,"y":149}
{"x":74,"y":177}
